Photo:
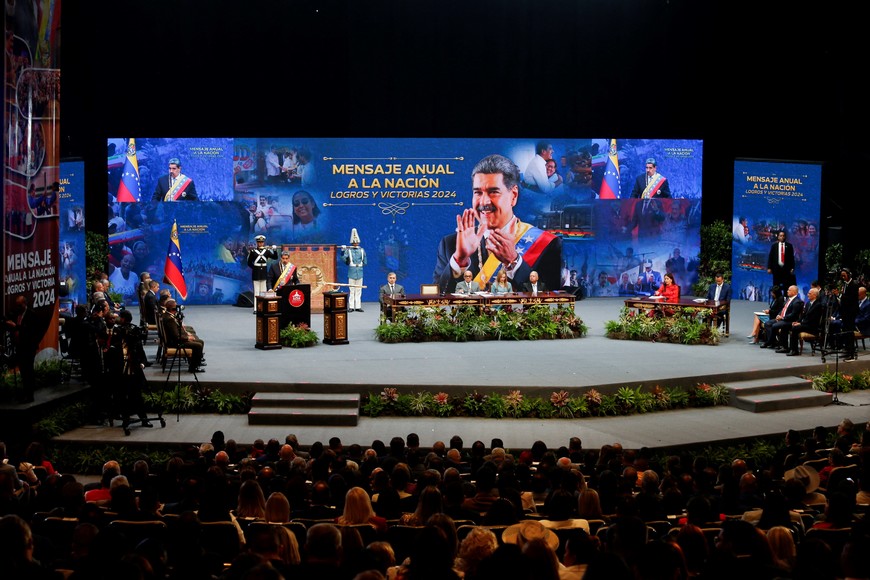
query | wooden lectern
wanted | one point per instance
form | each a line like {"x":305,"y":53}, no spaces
{"x":335,"y":318}
{"x":268,"y":323}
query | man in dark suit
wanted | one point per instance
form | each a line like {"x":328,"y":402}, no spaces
{"x":651,"y":183}
{"x":862,"y":322}
{"x":273,"y":275}
{"x":534,"y":286}
{"x":719,"y":291}
{"x":848,"y":313}
{"x":780,"y":262}
{"x":150,"y":302}
{"x":791,"y":312}
{"x":810,"y":322}
{"x":174,"y":186}
{"x":489,"y":237}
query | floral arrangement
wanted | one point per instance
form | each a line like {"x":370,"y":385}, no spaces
{"x":419,"y":324}
{"x":561,"y":403}
{"x":684,"y":326}
{"x":298,"y":336}
{"x":829,"y":381}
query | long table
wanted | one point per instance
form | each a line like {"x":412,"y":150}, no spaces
{"x":716,"y":306}
{"x":480,"y":300}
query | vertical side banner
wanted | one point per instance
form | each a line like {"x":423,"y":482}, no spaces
{"x":73,"y":284}
{"x":30,"y":152}
{"x":769,"y":197}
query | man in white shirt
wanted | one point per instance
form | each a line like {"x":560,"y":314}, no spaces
{"x":535,"y":176}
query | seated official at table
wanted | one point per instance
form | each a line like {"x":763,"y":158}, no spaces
{"x":501,"y":285}
{"x":719,"y":291}
{"x":669,"y":289}
{"x":392,"y":290}
{"x":468,"y":285}
{"x":534,"y":286}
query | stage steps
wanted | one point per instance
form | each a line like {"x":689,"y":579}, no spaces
{"x":775,"y":394}
{"x":327,"y":409}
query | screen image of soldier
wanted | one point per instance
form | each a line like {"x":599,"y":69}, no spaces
{"x":258,"y":262}
{"x":355,"y":258}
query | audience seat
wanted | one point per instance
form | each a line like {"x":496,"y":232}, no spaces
{"x":136,"y":531}
{"x":222,"y":538}
{"x":402,"y":539}
{"x":812,"y":339}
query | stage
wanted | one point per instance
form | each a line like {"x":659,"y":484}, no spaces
{"x":366,"y":365}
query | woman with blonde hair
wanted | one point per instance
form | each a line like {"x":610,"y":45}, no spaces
{"x":501,"y":284}
{"x":251,"y":502}
{"x":589,"y":505}
{"x":479,"y":544}
{"x":277,"y":508}
{"x":358,"y":510}
{"x":781,"y":540}
{"x":288,"y":547}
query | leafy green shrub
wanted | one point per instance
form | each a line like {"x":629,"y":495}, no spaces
{"x":298,"y":336}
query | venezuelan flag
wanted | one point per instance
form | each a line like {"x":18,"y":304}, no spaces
{"x":610,"y":183}
{"x":173,"y":271}
{"x":128,"y":190}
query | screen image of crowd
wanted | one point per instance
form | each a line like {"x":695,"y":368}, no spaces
{"x":280,"y":509}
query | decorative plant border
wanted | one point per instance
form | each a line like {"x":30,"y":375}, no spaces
{"x":829,"y":381}
{"x":683,"y":326}
{"x":465,"y":323}
{"x":560,"y":404}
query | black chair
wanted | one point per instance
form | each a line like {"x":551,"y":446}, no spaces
{"x":136,"y":531}
{"x":402,"y":539}
{"x":221,"y":538}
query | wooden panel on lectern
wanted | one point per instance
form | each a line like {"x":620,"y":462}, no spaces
{"x":335,"y":318}
{"x":315,"y":264}
{"x":268,"y":323}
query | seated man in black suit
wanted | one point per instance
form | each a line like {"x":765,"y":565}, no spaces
{"x":862,"y":321}
{"x":791,"y":312}
{"x":811,"y":321}
{"x":176,"y":336}
{"x":534,"y":286}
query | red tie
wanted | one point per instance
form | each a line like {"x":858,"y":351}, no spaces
{"x":782,"y":253}
{"x":784,"y":308}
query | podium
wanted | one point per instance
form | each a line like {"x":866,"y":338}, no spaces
{"x":268,"y":323}
{"x":295,"y":304}
{"x":335,"y":318}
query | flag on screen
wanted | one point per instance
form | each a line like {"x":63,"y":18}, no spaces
{"x":610,"y":183}
{"x":128,"y":190}
{"x":173,"y":271}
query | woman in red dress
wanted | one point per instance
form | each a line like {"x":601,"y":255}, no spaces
{"x":669,"y":289}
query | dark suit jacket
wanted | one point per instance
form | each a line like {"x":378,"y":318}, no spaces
{"x":548,"y":266}
{"x":811,"y":319}
{"x":724,"y":294}
{"x":640,"y":185}
{"x":793,"y":312}
{"x":527,"y":287}
{"x":274,"y":272}
{"x":189,"y":193}
{"x":150,"y":309}
{"x":862,"y":321}
{"x":773,"y":262}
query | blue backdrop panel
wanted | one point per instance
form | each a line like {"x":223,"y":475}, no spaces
{"x":770,"y":196}
{"x":403,"y":196}
{"x":72,"y":235}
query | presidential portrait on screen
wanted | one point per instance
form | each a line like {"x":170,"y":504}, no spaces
{"x":489,"y":238}
{"x":174,"y":186}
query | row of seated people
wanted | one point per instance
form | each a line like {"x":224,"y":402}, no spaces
{"x":789,"y":321}
{"x":551,"y":489}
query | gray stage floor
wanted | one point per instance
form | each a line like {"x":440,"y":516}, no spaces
{"x":366,"y":365}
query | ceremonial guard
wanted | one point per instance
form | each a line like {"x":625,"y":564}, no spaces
{"x":258,"y":262}
{"x":355,"y":258}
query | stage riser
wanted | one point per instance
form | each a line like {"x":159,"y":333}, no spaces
{"x":327,"y":409}
{"x":775,"y":394}
{"x":303,"y":417}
